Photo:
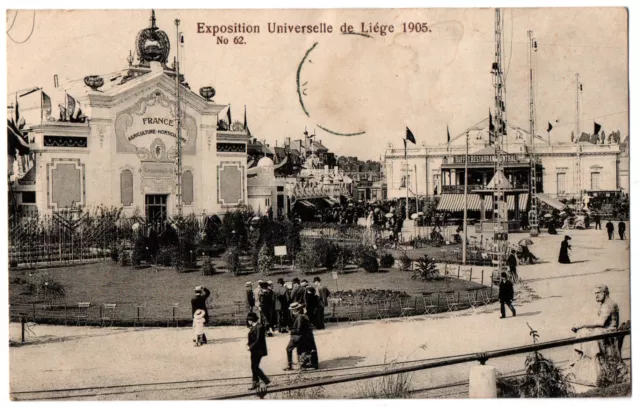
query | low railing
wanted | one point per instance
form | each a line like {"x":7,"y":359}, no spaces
{"x":481,"y":357}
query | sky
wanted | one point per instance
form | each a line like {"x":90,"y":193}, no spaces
{"x":351,"y":83}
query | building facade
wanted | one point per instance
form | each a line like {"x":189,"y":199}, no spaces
{"x":563,"y":169}
{"x":115,"y":144}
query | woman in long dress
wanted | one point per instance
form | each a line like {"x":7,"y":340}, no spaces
{"x":564,"y":251}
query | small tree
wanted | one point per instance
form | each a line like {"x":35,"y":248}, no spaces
{"x":405,"y":262}
{"x":542,"y":378}
{"x":232,"y":260}
{"x":265,"y":259}
{"x":307,"y":260}
{"x":386,"y":260}
{"x":426,"y":269}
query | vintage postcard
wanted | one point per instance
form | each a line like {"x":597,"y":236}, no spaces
{"x":318,"y":204}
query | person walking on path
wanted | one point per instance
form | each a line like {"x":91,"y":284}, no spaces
{"x":505,"y":295}
{"x":597,"y":220}
{"x":257,"y":345}
{"x":610,"y":229}
{"x":198,"y":327}
{"x":199,"y":302}
{"x":300,"y":329}
{"x":564,"y":251}
{"x":622,"y":227}
{"x":512,"y":261}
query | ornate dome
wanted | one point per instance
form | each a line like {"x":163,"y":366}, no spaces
{"x":152,"y":43}
{"x":265,"y":162}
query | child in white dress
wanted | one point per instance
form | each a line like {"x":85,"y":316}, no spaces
{"x":198,"y":326}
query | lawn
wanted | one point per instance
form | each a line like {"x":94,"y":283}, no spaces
{"x":106,"y":282}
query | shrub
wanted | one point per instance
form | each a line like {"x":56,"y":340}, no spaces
{"x":166,"y":256}
{"x":265,"y":260}
{"x":327,"y":252}
{"x":426,"y":269}
{"x":45,"y":287}
{"x":231,"y":259}
{"x":405,"y":262}
{"x":207,"y":267}
{"x":360,"y":252}
{"x":123,"y":259}
{"x":386,"y":260}
{"x":369,"y":264}
{"x":307,"y":259}
{"x":139,"y":251}
{"x":113,"y":251}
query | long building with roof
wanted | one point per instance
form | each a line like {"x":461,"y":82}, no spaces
{"x":592,"y":165}
{"x":114,"y":142}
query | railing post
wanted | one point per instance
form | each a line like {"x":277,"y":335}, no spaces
{"x":482,"y":382}
{"x":22,"y":320}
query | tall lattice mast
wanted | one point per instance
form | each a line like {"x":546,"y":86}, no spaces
{"x":533,"y":212}
{"x":500,"y":131}
{"x":178,"y":121}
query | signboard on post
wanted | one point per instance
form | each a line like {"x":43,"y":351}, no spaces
{"x":334,"y":274}
{"x":280,"y":251}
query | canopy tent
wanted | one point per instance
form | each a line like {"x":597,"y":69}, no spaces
{"x":455,"y":202}
{"x":499,"y":180}
{"x":554,"y":203}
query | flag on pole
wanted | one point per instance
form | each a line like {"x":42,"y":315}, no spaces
{"x":549,"y":128}
{"x":246,"y":126}
{"x":15,"y":139}
{"x":448,"y":135}
{"x":229,"y":116}
{"x":596,"y":128}
{"x":410,"y":137}
{"x":63,"y":113}
{"x":492,"y":129}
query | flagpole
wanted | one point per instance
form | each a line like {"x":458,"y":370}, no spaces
{"x":464,"y":218}
{"x":41,"y":96}
{"x":415,"y":175}
{"x":406,"y":179}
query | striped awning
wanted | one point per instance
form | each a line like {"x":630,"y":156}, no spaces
{"x":305,"y":203}
{"x":455,"y":202}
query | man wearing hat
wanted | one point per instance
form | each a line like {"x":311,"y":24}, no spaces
{"x":323,"y":301}
{"x":199,"y":302}
{"x":282,"y":305}
{"x":297,"y":292}
{"x":257,"y":345}
{"x":265,"y":301}
{"x":251,"y":298}
{"x":300,"y":329}
{"x":505,"y":295}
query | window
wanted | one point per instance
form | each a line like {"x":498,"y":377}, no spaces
{"x":267,"y":202}
{"x":126,"y":188}
{"x":187,"y":187}
{"x":436,"y":184}
{"x":595,"y":181}
{"x":28,"y":197}
{"x":562,"y":186}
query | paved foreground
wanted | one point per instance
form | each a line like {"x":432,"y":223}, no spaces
{"x":106,"y":358}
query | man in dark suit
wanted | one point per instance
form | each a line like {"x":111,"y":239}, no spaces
{"x":300,"y":329}
{"x":282,"y":305}
{"x":505,"y":295}
{"x":610,"y":229}
{"x":621,"y":229}
{"x":512,"y":262}
{"x":323,"y":301}
{"x":251,"y":298}
{"x":597,"y":218}
{"x":199,"y":301}
{"x":297,"y":292}
{"x":265,"y":301}
{"x":257,"y":345}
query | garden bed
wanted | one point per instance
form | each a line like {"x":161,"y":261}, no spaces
{"x":158,"y":289}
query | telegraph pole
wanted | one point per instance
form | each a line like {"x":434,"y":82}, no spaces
{"x":533,"y":212}
{"x":178,"y":120}
{"x":579,"y":147}
{"x":500,"y":130}
{"x":464,"y":217}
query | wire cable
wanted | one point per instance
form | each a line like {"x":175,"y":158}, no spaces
{"x":33,"y":26}
{"x":13,"y":22}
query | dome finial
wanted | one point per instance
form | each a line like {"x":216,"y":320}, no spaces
{"x":153,"y":19}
